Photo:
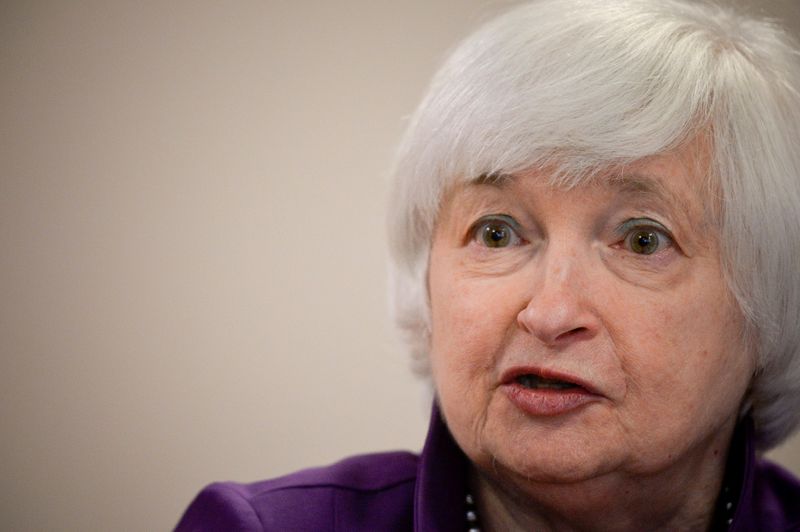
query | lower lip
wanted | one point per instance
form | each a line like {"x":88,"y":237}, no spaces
{"x":548,"y":401}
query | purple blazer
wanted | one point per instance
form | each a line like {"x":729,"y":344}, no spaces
{"x":426,"y":493}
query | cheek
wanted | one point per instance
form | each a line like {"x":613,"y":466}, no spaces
{"x":466,"y":327}
{"x":687,"y":358}
{"x":470,"y":322}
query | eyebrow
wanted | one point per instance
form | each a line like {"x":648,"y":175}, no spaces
{"x":635,"y":184}
{"x":642,"y":184}
{"x":498,"y":180}
{"x":638,"y":184}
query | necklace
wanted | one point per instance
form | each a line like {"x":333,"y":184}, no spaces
{"x":722,"y":519}
{"x":473,"y":525}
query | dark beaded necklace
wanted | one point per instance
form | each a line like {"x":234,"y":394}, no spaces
{"x":723,"y":514}
{"x":473,"y":525}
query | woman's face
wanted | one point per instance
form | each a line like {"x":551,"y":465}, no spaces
{"x":585,"y":331}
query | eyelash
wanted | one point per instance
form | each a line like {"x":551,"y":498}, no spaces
{"x":501,"y":222}
{"x":647,"y":229}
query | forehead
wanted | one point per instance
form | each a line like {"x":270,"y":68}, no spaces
{"x":632,"y":182}
{"x":681,"y":179}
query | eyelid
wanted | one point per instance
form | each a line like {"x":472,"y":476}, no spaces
{"x":626,"y":228}
{"x":472,"y":234}
{"x":507,"y":218}
{"x":638,"y":223}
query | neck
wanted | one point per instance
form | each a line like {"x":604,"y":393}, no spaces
{"x":680,"y":497}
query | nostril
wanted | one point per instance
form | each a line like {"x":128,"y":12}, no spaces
{"x":558,"y":321}
{"x":573,"y":334}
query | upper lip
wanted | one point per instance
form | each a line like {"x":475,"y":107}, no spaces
{"x":512,"y":374}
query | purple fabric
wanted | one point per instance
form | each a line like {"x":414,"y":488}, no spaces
{"x":399,"y":491}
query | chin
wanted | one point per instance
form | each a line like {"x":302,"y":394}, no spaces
{"x":554,"y":465}
{"x":551,"y":450}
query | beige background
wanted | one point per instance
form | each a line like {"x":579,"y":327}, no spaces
{"x":192,"y":266}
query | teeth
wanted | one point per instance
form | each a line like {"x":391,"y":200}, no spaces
{"x":536,"y":382}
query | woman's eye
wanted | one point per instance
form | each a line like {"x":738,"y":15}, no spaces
{"x":496,"y":233}
{"x":646,"y":240}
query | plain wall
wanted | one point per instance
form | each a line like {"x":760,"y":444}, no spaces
{"x":192,"y":250}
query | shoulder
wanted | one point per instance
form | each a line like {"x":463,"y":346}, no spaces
{"x":777,"y":495}
{"x":367,"y":492}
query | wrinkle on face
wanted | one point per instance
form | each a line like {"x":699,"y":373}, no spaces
{"x":641,"y":307}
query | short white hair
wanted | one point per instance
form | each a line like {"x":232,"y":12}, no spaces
{"x":586,"y":85}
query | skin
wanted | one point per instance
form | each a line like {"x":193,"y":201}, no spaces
{"x":657,"y":336}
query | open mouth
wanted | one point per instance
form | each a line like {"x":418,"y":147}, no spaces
{"x":536,"y":382}
{"x":547,"y":392}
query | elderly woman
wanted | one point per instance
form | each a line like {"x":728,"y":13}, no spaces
{"x":596,"y":230}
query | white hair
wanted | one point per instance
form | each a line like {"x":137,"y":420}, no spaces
{"x":586,"y":85}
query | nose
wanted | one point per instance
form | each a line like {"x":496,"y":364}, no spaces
{"x":559,"y":311}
